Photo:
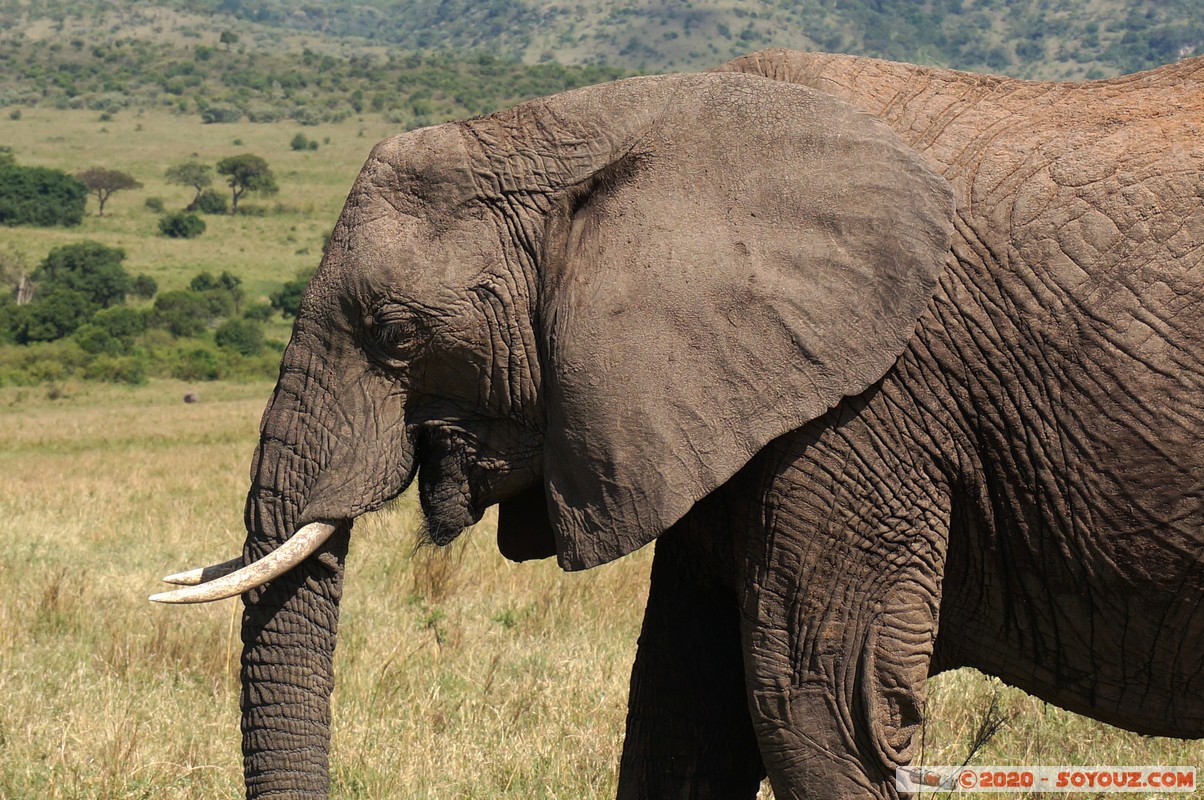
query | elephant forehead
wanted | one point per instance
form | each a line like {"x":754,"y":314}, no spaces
{"x":411,"y":260}
{"x":423,"y":172}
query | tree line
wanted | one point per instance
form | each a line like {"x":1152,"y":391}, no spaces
{"x":84,"y":316}
{"x":48,"y":197}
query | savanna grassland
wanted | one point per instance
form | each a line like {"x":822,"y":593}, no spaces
{"x":459,"y":674}
{"x":264,"y":250}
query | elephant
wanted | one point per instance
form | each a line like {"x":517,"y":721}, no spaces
{"x":900,"y":367}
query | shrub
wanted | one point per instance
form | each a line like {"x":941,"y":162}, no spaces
{"x":183,"y":313}
{"x":144,"y":287}
{"x":288,"y":299}
{"x":260,"y":312}
{"x":42,"y":362}
{"x":9,"y":313}
{"x":95,"y":339}
{"x":299,"y":142}
{"x":219,"y":302}
{"x":223,"y":295}
{"x":181,"y":225}
{"x":240,"y":335}
{"x":154,"y":204}
{"x":211,"y":201}
{"x":40,"y":196}
{"x":52,"y":316}
{"x":121,"y":321}
{"x":117,"y":369}
{"x":196,"y":364}
{"x":202,"y":282}
{"x":219,"y":114}
{"x":88,"y":267}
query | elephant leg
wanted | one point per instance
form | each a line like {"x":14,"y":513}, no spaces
{"x":689,"y":734}
{"x":839,"y":613}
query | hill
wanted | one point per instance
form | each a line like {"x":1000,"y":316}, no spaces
{"x":1052,"y":39}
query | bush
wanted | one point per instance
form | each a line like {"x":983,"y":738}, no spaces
{"x":42,"y":362}
{"x":144,"y":287}
{"x":52,"y":316}
{"x":260,"y":312}
{"x":121,"y":321}
{"x":288,"y":299}
{"x":196,"y":364}
{"x":88,"y":267}
{"x":181,"y":225}
{"x":117,"y":369}
{"x":299,"y":142}
{"x":240,"y":335}
{"x":183,"y":313}
{"x":203,"y":282}
{"x":211,"y":201}
{"x":218,"y":114}
{"x":96,"y":340}
{"x":154,"y":204}
{"x":8,"y":318}
{"x":223,"y":294}
{"x":40,"y":196}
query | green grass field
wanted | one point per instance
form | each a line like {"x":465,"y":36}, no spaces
{"x":459,"y":674}
{"x":265,"y":251}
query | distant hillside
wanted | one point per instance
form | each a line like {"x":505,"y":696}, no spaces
{"x":422,"y":61}
{"x":1028,"y":38}
{"x":111,"y":56}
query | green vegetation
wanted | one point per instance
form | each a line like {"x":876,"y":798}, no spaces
{"x":77,"y":325}
{"x":40,"y":196}
{"x":181,"y":225}
{"x":246,"y":173}
{"x":303,"y":142}
{"x":83,"y":63}
{"x":103,"y":182}
{"x":280,"y":59}
{"x":191,"y":173}
{"x":288,"y":299}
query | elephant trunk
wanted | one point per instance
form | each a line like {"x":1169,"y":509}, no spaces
{"x":289,"y":625}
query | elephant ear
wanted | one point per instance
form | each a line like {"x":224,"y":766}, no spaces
{"x":754,"y":253}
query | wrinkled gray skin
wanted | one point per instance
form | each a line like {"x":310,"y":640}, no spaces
{"x":857,"y":382}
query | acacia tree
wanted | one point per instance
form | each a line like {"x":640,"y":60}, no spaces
{"x":192,"y":173}
{"x":247,"y":173}
{"x":103,"y":182}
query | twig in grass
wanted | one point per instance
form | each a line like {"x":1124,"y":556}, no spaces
{"x":992,"y":721}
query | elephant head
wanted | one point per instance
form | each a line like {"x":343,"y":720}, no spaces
{"x":591,"y":309}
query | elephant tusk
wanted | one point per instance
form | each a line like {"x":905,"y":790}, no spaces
{"x":203,"y":574}
{"x":288,"y":555}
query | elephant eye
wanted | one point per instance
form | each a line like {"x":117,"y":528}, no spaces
{"x":395,"y":334}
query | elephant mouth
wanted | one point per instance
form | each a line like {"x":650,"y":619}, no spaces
{"x":458,"y":481}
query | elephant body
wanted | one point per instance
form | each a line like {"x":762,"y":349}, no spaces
{"x":1078,"y":289}
{"x":902,"y":366}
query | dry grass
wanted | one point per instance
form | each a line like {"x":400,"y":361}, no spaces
{"x":459,"y":674}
